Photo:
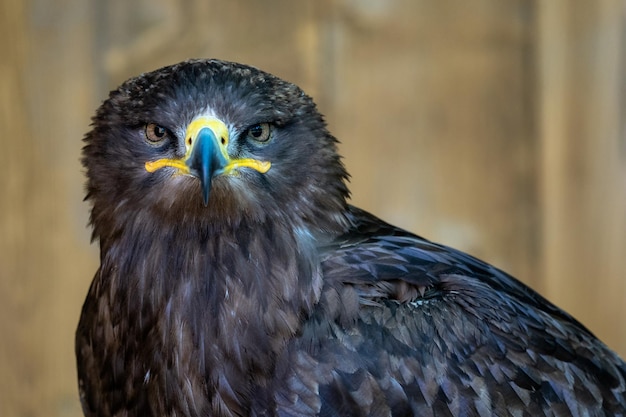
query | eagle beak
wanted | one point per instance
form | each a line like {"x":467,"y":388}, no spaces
{"x":206,"y":143}
{"x":206,"y":157}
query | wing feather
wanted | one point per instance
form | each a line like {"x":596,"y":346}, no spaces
{"x":438,"y":332}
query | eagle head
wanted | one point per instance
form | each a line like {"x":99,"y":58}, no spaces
{"x":212,"y":142}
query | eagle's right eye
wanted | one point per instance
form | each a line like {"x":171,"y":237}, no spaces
{"x":156,"y":134}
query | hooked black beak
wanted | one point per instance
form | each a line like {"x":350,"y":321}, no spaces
{"x":206,"y":159}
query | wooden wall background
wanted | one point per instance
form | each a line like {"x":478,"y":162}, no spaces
{"x":496,"y":126}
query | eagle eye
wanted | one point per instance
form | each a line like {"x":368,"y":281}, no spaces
{"x":156,"y":134}
{"x":259,"y":132}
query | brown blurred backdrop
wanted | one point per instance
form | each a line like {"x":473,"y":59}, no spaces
{"x":496,"y":126}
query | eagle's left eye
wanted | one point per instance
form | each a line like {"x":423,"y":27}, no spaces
{"x":259,"y":132}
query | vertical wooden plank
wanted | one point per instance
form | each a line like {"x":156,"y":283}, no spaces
{"x":434,"y":109}
{"x":13,"y":188}
{"x":279,"y":36}
{"x":583,"y":57}
{"x":45,"y":260}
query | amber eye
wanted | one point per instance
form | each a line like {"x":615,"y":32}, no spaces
{"x":259,"y":132}
{"x":156,"y":134}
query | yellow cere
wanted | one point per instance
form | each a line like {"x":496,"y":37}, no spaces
{"x":217,"y":126}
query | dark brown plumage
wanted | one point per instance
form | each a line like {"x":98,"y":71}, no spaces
{"x":235,"y":280}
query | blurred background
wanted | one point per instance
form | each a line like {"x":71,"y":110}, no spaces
{"x":495,"y":126}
